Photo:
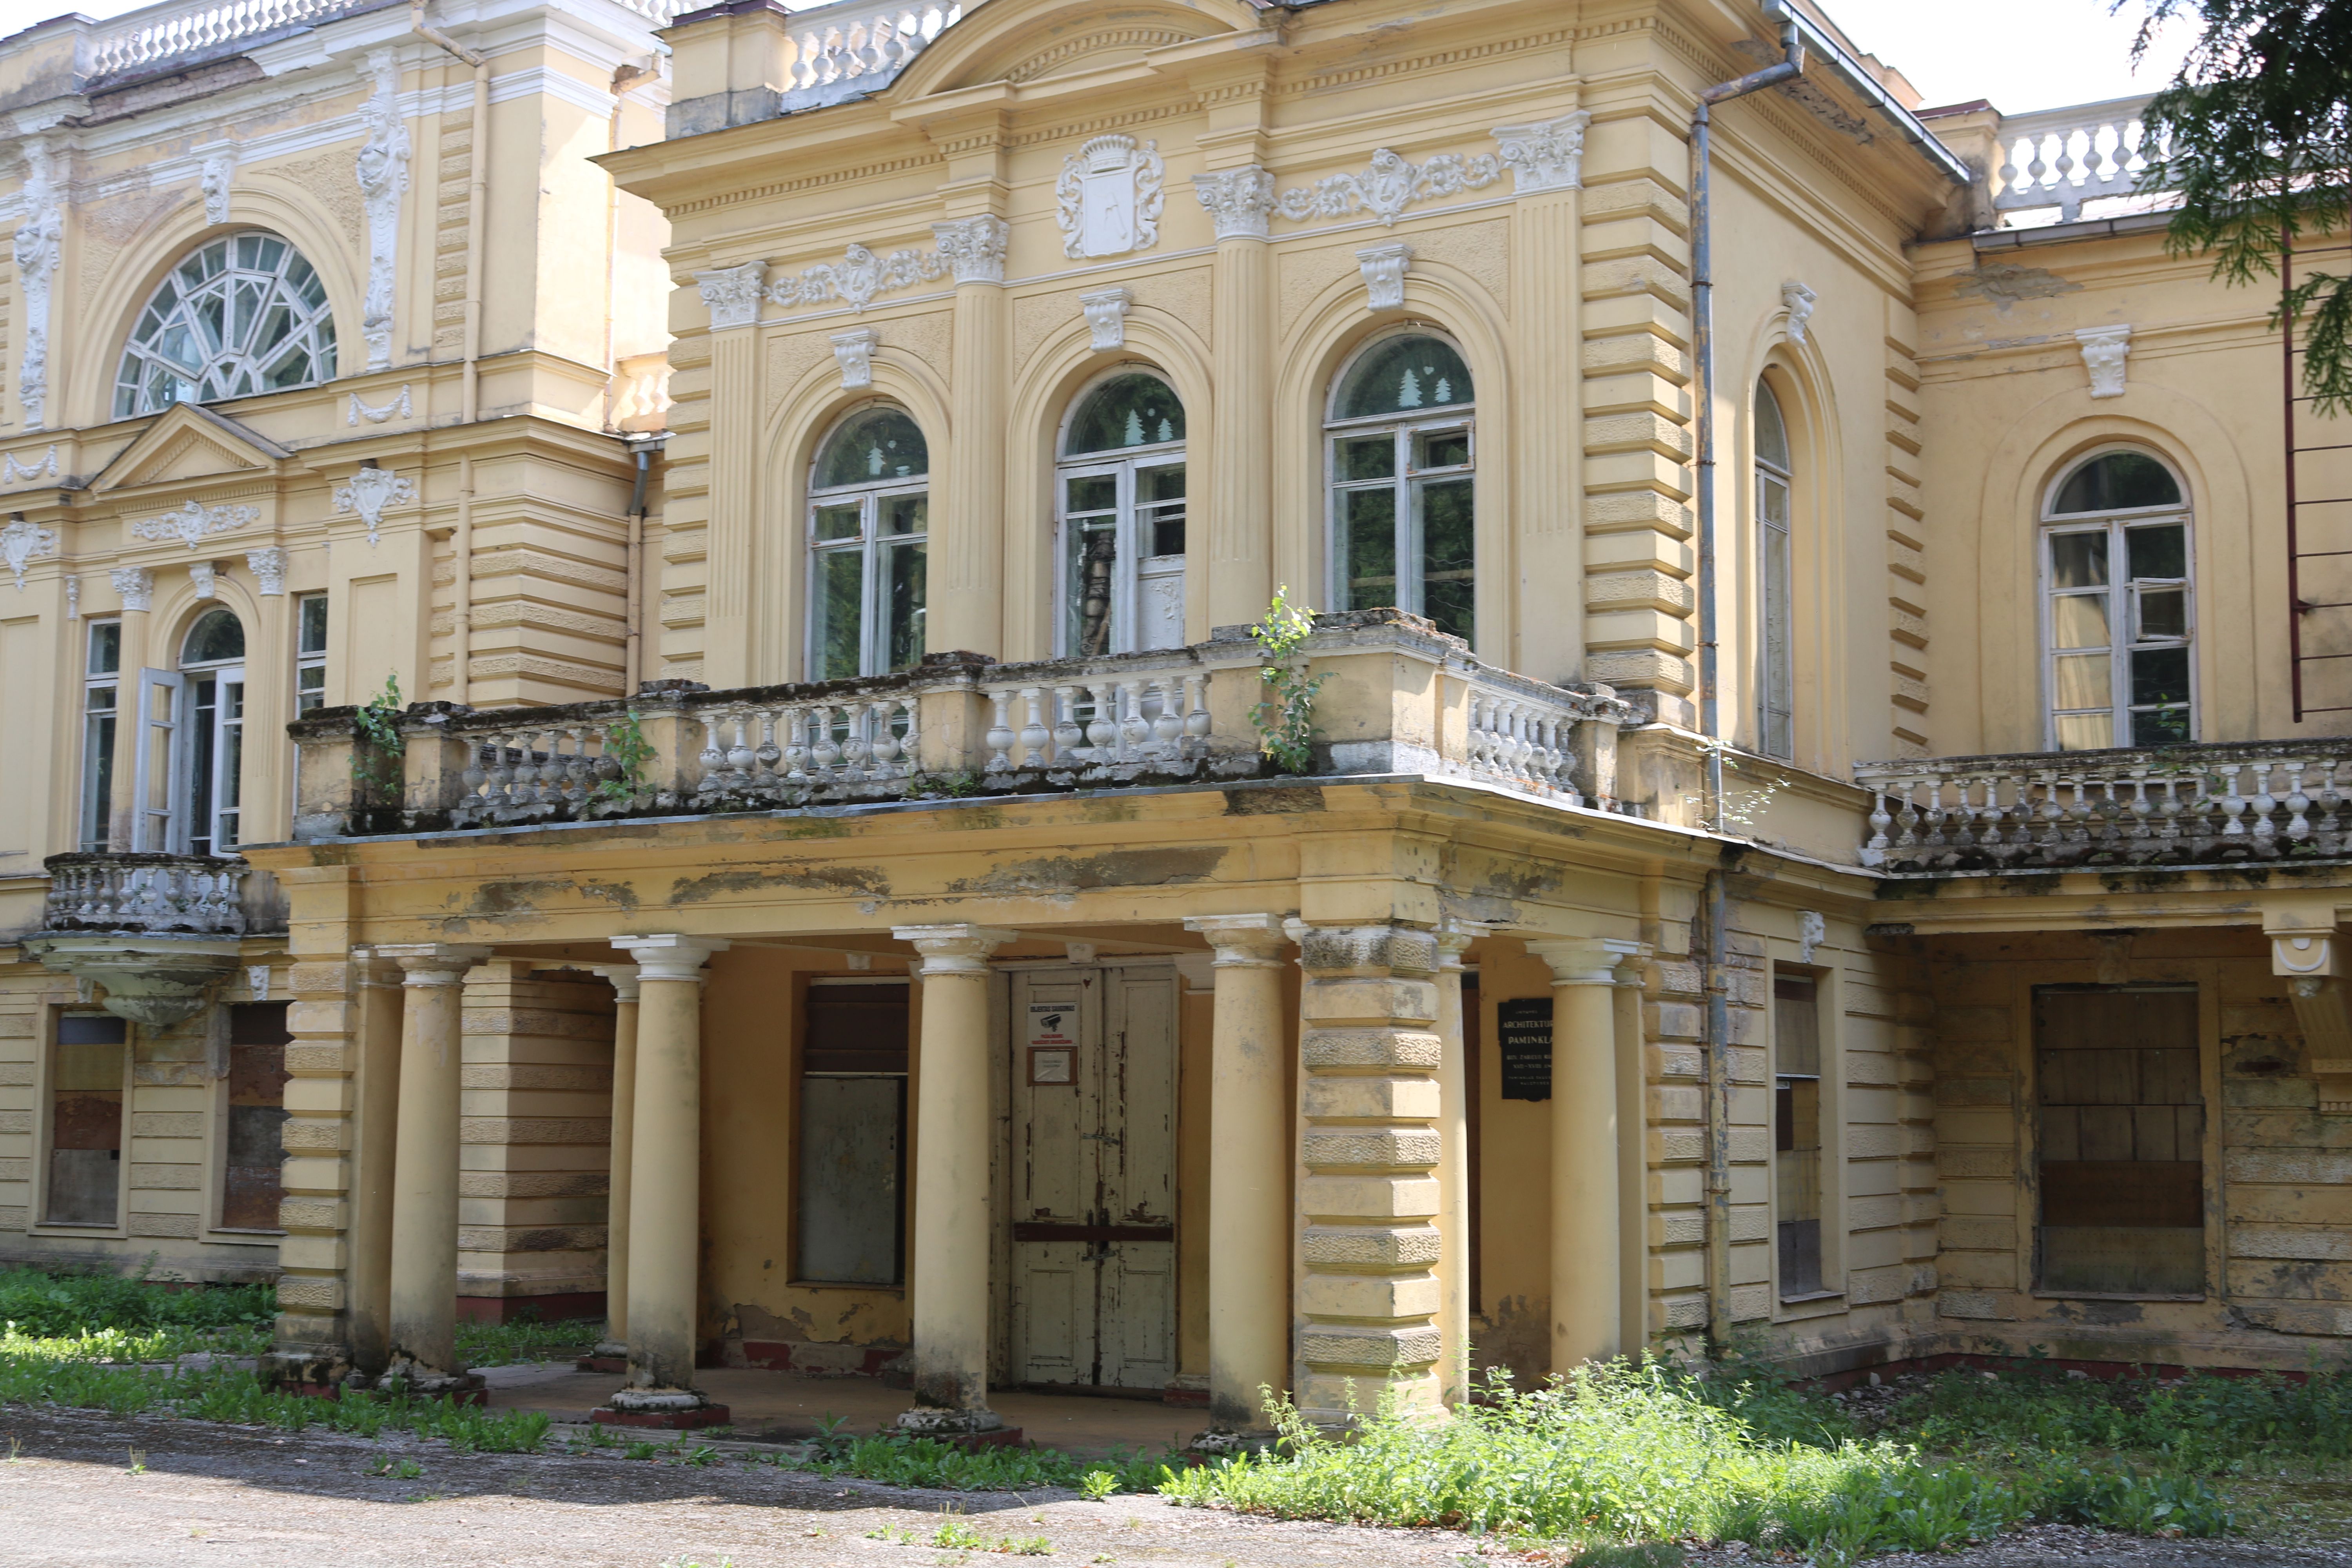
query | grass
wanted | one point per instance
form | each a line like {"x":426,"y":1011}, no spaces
{"x":78,"y":1306}
{"x":1623,"y":1455}
{"x":528,"y":1339}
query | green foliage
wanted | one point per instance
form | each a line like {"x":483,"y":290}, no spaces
{"x":1097,"y":1486}
{"x":1285,"y":720}
{"x":377,"y":740}
{"x":626,"y":748}
{"x":527,"y":1339}
{"x":1622,"y":1454}
{"x":48,"y":1306}
{"x":2259,"y":125}
{"x":930,"y":1463}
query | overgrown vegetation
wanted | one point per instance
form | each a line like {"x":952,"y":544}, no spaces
{"x":1285,"y":720}
{"x":626,"y":748}
{"x":376,"y":742}
{"x":76,"y":1305}
{"x":527,"y":1339}
{"x":929,"y":1463}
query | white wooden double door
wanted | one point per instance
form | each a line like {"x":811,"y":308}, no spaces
{"x":1092,"y":1186}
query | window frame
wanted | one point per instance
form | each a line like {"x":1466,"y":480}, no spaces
{"x":2123,"y":598}
{"x":308,"y":660}
{"x":1125,"y":466}
{"x":797,"y":1188}
{"x":37,"y":1222}
{"x":95,"y":804}
{"x":314,"y":326}
{"x":871,"y":546}
{"x":219,"y":740}
{"x":1407,"y":483}
{"x":1775,"y":612}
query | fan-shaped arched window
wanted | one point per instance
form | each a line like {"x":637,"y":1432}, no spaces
{"x":1776,"y":684}
{"x":2117,"y":609}
{"x":1121,"y":500}
{"x":241,"y":315}
{"x":870,"y":511}
{"x":1403,"y":510}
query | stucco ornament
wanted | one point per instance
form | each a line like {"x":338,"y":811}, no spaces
{"x":854,"y":351}
{"x":73,"y":598}
{"x":21,"y":543}
{"x":267,"y":565}
{"x":1390,"y":185}
{"x":383,"y":171}
{"x":2104,"y":349}
{"x":1109,"y":197}
{"x":975,"y":247}
{"x":219,"y":172}
{"x":1545,"y":154}
{"x":1799,"y":301}
{"x":40,"y":247}
{"x":206,"y":576}
{"x":194,"y":522}
{"x":1106,"y":311}
{"x":360,"y":409}
{"x":1239,"y":201}
{"x":858,"y":276}
{"x":372,"y":490}
{"x":11,"y":470}
{"x":1383,"y":266}
{"x":136,"y":585}
{"x":732,"y":294}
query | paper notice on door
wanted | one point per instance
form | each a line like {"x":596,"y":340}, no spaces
{"x":1053,"y":1044}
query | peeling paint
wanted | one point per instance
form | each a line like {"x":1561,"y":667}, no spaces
{"x":823,"y":879}
{"x":1118,"y":868}
{"x":1282,"y":798}
{"x":2003,"y":284}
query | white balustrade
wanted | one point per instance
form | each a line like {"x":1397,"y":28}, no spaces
{"x":779,"y":753}
{"x":543,"y":769}
{"x":842,"y":43}
{"x":1525,"y":741}
{"x":2064,"y":157}
{"x":159,"y":34}
{"x":1099,"y":720}
{"x":2185,"y":806}
{"x":145,"y":893}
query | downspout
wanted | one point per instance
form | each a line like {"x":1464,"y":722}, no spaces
{"x":632,"y":646}
{"x":477,"y":211}
{"x":1713,"y":967}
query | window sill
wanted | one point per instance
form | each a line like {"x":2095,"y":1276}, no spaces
{"x":244,"y":1237}
{"x":844,"y":1285}
{"x":2110,"y":1296}
{"x":1815,"y":1304}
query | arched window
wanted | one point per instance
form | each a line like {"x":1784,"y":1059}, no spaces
{"x":869,"y":511}
{"x":1120,"y":490}
{"x":242,"y":315}
{"x":191,"y":748}
{"x":2116,"y":606}
{"x":1775,"y":674}
{"x":1403,"y":509}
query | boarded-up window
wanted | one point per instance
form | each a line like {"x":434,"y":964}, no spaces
{"x":2123,"y":1133}
{"x":1797,"y":1132}
{"x":253,"y":1174}
{"x":85,"y":1120}
{"x":852,"y":1134}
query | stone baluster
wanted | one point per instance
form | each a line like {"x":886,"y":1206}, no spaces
{"x":1134,"y":729}
{"x":1168,"y":726}
{"x":999,"y":731}
{"x":1102,"y":722}
{"x":1196,"y":711}
{"x":1034,"y":737}
{"x":825,"y":749}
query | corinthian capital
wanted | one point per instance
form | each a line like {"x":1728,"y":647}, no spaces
{"x":1239,"y":201}
{"x":975,"y":247}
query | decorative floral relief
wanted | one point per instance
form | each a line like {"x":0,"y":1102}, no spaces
{"x":268,"y":566}
{"x":1799,"y":301}
{"x":731,"y":294}
{"x":382,"y":173}
{"x":136,"y":585}
{"x":40,"y":248}
{"x":1390,"y":185}
{"x":194,"y":522}
{"x":12,"y":470}
{"x":858,"y":276}
{"x":21,"y":543}
{"x":220,"y":170}
{"x":369,"y":492}
{"x":2104,"y":349}
{"x":359,"y":410}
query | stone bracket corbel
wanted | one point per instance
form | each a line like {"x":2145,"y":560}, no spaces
{"x":2311,"y":963}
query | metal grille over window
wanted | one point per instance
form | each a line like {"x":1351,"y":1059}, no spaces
{"x":1403,"y":503}
{"x":1121,"y":483}
{"x":869,"y":515}
{"x":1797,"y":1132}
{"x":1775,"y":673}
{"x":243,"y":315}
{"x":2117,"y":612}
{"x":2122,"y":1172}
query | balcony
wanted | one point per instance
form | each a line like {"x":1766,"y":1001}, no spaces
{"x":157,"y":933}
{"x":189,"y":895}
{"x":1400,"y":698}
{"x":2169,"y":807}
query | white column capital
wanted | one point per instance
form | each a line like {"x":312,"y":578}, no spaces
{"x":624,"y":977}
{"x":433,"y":963}
{"x":669,"y":955}
{"x":1242,"y":942}
{"x":1586,"y":959}
{"x":1454,"y":935}
{"x":954,"y":949}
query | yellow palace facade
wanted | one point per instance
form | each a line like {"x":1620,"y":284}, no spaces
{"x":1798,"y":816}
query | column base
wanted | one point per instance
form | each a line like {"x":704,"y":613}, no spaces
{"x":465,"y":1387}
{"x":676,"y":1420}
{"x":1216,"y":1444}
{"x":609,"y":1356}
{"x":982,"y":1428}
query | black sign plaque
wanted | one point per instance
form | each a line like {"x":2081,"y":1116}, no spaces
{"x":1523,"y":1030}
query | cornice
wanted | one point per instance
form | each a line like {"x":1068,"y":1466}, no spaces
{"x":805,"y":182}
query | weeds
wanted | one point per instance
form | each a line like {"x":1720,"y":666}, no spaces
{"x":138,"y":1460}
{"x":527,"y":1339}
{"x":49,"y":1306}
{"x":927,"y":1462}
{"x":1285,"y":720}
{"x":396,"y":1470}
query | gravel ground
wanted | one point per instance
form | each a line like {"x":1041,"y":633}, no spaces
{"x":223,"y":1495}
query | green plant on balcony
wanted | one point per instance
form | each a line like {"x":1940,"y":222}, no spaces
{"x":377,"y":743}
{"x":1284,"y":717}
{"x":626,"y":748}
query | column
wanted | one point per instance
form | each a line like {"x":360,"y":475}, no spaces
{"x":967,"y":589}
{"x":953,"y":1125}
{"x":1585,"y":1257}
{"x":1632,"y":1158}
{"x":379,"y":999}
{"x":664,"y":1223}
{"x":423,"y":1341}
{"x":1453,"y":1171}
{"x":1242,"y":339}
{"x":1369,"y":1291}
{"x":615,"y":1344}
{"x":1249,"y":1177}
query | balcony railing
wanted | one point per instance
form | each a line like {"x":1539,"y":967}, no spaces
{"x":190,"y":895}
{"x":1401,"y":699}
{"x":176,"y":31}
{"x":867,"y":43}
{"x":2174,"y":805}
{"x":2063,"y":157}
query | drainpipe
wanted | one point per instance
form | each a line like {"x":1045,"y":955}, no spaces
{"x":1713,"y":970}
{"x":632,"y":646}
{"x":477,"y":203}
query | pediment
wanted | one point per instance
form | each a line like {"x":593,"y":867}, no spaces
{"x":189,"y":443}
{"x":1065,"y":39}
